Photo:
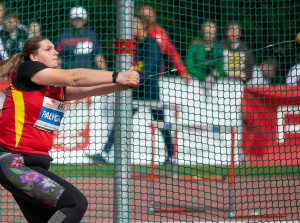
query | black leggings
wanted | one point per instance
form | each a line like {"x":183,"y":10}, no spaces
{"x":41,"y":195}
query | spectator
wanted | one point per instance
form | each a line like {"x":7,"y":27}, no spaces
{"x":170,"y":53}
{"x":79,"y":47}
{"x":204,"y":58}
{"x":3,"y":51}
{"x":34,"y":29}
{"x":16,"y":36}
{"x":237,"y":58}
{"x":149,"y":60}
{"x":293,"y":75}
{"x":2,"y":13}
{"x":266,"y":73}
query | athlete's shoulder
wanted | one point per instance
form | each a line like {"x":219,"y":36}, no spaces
{"x":22,"y":78}
{"x":31,"y":65}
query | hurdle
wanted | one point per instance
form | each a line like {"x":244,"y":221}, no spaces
{"x":175,"y":175}
{"x":231,"y":185}
{"x":232,"y":194}
{"x":151,"y":175}
{"x":197,"y":179}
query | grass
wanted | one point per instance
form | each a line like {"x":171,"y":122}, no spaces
{"x":93,"y":170}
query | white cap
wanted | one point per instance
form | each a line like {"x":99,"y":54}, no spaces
{"x":78,"y":12}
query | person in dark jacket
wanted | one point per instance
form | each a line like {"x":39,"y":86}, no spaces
{"x":79,"y":47}
{"x":148,"y":60}
{"x":15,"y":35}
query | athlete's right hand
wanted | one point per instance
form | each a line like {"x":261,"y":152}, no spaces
{"x":130,"y":78}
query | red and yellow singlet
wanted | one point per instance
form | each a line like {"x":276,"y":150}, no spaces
{"x":30,"y":117}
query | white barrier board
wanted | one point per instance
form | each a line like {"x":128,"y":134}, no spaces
{"x":206,"y":115}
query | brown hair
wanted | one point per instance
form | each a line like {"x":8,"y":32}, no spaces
{"x":31,"y":46}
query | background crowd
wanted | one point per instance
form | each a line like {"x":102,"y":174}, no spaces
{"x":207,"y":58}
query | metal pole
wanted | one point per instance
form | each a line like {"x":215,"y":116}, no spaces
{"x":151,"y":174}
{"x":123,"y":116}
{"x":231,"y":177}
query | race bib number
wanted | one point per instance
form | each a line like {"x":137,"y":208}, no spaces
{"x":51,"y":115}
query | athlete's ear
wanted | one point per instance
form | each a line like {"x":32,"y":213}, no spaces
{"x":33,"y":57}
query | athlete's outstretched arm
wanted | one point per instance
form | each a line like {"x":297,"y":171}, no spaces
{"x":73,"y":93}
{"x":83,"y":77}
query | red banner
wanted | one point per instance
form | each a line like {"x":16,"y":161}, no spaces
{"x":271,"y":124}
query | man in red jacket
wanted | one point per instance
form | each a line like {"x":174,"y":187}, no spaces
{"x":162,"y":38}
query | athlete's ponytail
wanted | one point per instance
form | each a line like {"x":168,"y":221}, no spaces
{"x":31,"y":46}
{"x":8,"y":67}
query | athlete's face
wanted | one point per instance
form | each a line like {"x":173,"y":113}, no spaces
{"x":46,"y":54}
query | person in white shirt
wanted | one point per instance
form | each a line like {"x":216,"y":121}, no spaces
{"x":293,"y":75}
{"x":266,"y":73}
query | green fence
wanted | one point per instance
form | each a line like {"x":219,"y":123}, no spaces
{"x":213,"y":133}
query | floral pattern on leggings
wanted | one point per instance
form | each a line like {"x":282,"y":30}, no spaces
{"x":30,"y":181}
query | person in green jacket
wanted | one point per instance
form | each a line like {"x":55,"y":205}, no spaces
{"x":204,"y":58}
